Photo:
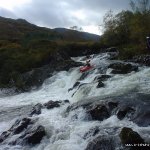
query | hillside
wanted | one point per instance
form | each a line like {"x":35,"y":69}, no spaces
{"x":25,"y":46}
{"x":68,"y":34}
{"x":21,"y":29}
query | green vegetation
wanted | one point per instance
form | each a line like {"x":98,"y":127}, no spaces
{"x":24,"y":46}
{"x":128,"y":29}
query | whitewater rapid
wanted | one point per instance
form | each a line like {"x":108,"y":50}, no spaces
{"x":65,"y":133}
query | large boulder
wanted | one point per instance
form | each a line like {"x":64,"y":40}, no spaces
{"x":16,"y":128}
{"x":125,"y":112}
{"x":128,"y":136}
{"x":34,"y":136}
{"x":122,"y":68}
{"x":99,"y":112}
{"x":36,"y":110}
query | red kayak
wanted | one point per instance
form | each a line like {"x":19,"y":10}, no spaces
{"x":85,"y":68}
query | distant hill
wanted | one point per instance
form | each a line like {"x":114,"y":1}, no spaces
{"x":67,"y":33}
{"x":20,"y":28}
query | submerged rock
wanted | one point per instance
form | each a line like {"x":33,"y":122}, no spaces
{"x":100,"y":84}
{"x":103,"y":77}
{"x":92,"y":132}
{"x":125,"y":112}
{"x":52,"y":104}
{"x":34,"y":136}
{"x":99,"y":112}
{"x":36,"y":110}
{"x":101,"y":143}
{"x":4,"y":135}
{"x":19,"y":126}
{"x":122,"y":68}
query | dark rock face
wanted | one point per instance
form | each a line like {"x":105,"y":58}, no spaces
{"x":111,"y":49}
{"x":99,"y":113}
{"x":128,"y":136}
{"x":125,"y":112}
{"x":121,"y":68}
{"x":92,"y":132}
{"x":16,"y":128}
{"x":34,"y":136}
{"x":100,"y":84}
{"x":52,"y":104}
{"x":144,"y":59}
{"x":103,"y":77}
{"x":113,"y":52}
{"x":112,"y":105}
{"x":101,"y":143}
{"x":36,"y":110}
{"x":21,"y":125}
{"x":4,"y":135}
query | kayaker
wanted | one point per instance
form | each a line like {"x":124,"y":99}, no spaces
{"x":148,"y":42}
{"x":88,"y":63}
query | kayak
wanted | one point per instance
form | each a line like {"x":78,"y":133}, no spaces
{"x":85,"y":68}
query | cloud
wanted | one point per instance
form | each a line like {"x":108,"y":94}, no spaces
{"x":7,"y":13}
{"x":66,"y":13}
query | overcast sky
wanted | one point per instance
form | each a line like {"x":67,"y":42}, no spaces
{"x":87,"y":14}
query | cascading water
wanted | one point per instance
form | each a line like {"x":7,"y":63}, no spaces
{"x":65,"y":132}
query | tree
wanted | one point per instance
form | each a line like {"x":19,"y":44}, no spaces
{"x":76,"y":28}
{"x":141,"y":6}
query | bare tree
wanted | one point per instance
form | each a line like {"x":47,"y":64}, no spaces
{"x":140,"y":5}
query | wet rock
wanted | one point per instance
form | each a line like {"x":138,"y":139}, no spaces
{"x":66,"y":101}
{"x":34,"y":136}
{"x":53,"y":104}
{"x":4,"y":135}
{"x":36,"y":110}
{"x":125,"y":112}
{"x":112,"y":49}
{"x":113,"y":52}
{"x":74,"y":86}
{"x":20,"y":126}
{"x":103,"y":77}
{"x":128,"y":136}
{"x":91,"y":132}
{"x":16,"y":128}
{"x":143,"y":119}
{"x":101,"y":143}
{"x":99,"y":112}
{"x":112,"y":105}
{"x":100,"y":84}
{"x":143,"y":59}
{"x":84,"y":75}
{"x":122,"y":68}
